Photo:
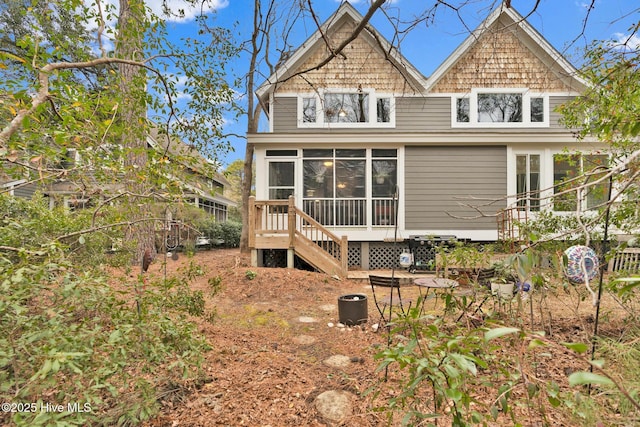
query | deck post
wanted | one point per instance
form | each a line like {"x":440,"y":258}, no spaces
{"x":252,"y":222}
{"x":344,"y":255}
{"x":291,"y":263}
{"x":291,"y":226}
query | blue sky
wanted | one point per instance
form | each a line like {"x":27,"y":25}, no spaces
{"x":561,"y":23}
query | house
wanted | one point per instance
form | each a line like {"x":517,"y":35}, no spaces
{"x":367,"y":152}
{"x":201,"y":185}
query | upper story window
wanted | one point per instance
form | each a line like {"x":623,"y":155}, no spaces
{"x":500,"y":108}
{"x":344,"y":108}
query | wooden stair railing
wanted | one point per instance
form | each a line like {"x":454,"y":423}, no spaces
{"x":279,"y":224}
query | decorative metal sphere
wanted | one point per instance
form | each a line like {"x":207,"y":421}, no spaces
{"x":582,"y":263}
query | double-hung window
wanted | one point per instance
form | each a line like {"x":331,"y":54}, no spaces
{"x":346,"y":108}
{"x":528,"y":183}
{"x":500,"y":108}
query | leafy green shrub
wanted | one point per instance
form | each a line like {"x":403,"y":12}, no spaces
{"x":229,"y":232}
{"x":478,"y":376}
{"x":31,"y":224}
{"x":70,"y":337}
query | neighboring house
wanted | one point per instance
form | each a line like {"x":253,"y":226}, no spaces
{"x":205,"y":188}
{"x":458,"y":145}
{"x":202,"y":186}
{"x":17,"y":187}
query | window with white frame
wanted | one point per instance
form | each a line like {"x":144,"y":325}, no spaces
{"x":336,"y":182}
{"x":569,"y":173}
{"x":281,"y":179}
{"x":345,"y":108}
{"x":218,"y":210}
{"x":500,"y":108}
{"x":528,"y":183}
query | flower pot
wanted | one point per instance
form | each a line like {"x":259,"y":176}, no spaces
{"x":502,"y":290}
{"x":353,"y":309}
{"x":464,"y":276}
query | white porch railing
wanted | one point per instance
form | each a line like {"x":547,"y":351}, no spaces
{"x":350,"y":212}
{"x":627,"y":260}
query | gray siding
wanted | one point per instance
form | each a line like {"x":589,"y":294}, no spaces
{"x":554,"y":118}
{"x":413,"y":114}
{"x":423,"y":114}
{"x":285,"y":116}
{"x":439,"y":179}
{"x":25,"y":191}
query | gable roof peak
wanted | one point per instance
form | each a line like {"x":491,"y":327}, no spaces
{"x":345,"y":14}
{"x":517,"y":27}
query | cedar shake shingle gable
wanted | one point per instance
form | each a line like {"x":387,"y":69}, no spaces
{"x":499,"y":59}
{"x":363,"y":63}
{"x":369,"y":61}
{"x":505,"y":52}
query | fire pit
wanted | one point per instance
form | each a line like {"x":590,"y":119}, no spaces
{"x":353,"y":309}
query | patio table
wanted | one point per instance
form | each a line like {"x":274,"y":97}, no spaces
{"x":434,"y":283}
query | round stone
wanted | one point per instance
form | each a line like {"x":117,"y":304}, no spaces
{"x":334,"y":405}
{"x":338,"y":361}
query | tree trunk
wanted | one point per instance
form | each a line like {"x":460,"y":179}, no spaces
{"x":133,"y":109}
{"x":252,"y":125}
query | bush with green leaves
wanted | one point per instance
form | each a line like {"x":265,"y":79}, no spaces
{"x":229,"y":232}
{"x":32,"y":224}
{"x":70,"y":335}
{"x":445,"y":374}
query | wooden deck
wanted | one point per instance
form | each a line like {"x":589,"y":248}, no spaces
{"x":404,"y":276}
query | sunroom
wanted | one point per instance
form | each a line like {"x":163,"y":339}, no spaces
{"x":338,"y":187}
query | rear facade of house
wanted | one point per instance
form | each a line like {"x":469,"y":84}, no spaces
{"x":374,"y":151}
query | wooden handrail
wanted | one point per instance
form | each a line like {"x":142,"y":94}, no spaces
{"x":282,"y":217}
{"x":307,"y":218}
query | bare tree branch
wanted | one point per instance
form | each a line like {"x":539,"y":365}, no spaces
{"x":338,"y":50}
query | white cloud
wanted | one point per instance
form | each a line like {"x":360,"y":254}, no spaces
{"x":626,"y":41}
{"x":190,"y":12}
{"x":178,"y":7}
{"x":190,"y":9}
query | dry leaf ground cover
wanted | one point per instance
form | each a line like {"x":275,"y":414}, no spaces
{"x":275,"y":335}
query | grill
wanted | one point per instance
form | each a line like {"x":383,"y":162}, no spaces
{"x":423,"y":251}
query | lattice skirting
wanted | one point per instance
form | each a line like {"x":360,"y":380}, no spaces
{"x":385,"y":255}
{"x":355,"y":254}
{"x":381,"y":255}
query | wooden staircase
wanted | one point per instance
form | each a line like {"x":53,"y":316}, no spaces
{"x":279,"y":224}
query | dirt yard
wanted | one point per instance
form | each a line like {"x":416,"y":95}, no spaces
{"x":277,"y":346}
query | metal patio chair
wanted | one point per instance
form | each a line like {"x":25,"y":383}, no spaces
{"x":480,"y":291}
{"x":390,"y":301}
